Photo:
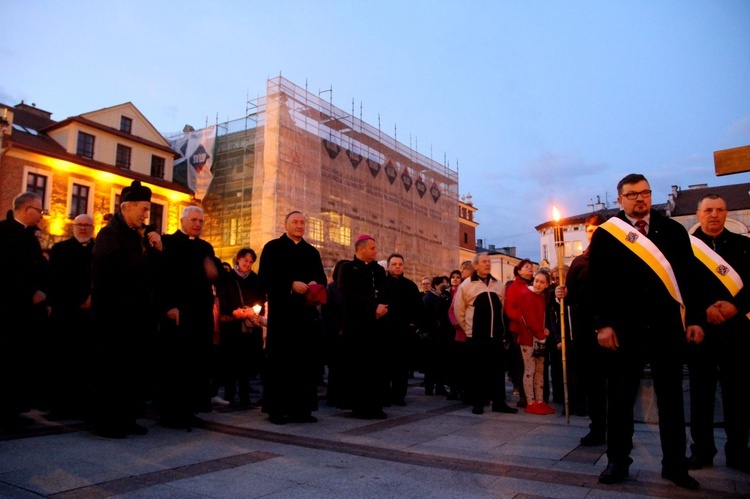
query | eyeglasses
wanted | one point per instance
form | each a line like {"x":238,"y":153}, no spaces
{"x":196,"y":220}
{"x":84,"y":226}
{"x":40,"y":210}
{"x":634,"y":195}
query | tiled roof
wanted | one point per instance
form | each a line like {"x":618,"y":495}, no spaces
{"x":606,"y":213}
{"x":737,"y":197}
{"x":111,"y":131}
{"x":42,"y":144}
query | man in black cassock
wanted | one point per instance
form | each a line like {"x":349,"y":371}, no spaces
{"x":187,"y":322}
{"x":289,"y":265}
{"x":127,"y":256}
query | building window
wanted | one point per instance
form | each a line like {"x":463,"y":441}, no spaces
{"x":233,"y":238}
{"x":123,"y":156}
{"x":85,"y":145}
{"x":577,"y":247}
{"x":157,"y":167}
{"x":156,"y":216}
{"x":126,"y":124}
{"x":79,"y":199}
{"x":315,"y":229}
{"x":466,"y":238}
{"x":545,"y":252}
{"x":37,"y":184}
{"x":340,"y":234}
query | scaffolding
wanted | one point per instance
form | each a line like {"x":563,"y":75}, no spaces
{"x":295,"y":151}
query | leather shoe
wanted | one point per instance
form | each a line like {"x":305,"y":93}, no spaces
{"x":277,"y":419}
{"x":698,"y":461}
{"x":303,"y":418}
{"x":614,"y":473}
{"x":504,"y":408}
{"x":681,"y":479}
{"x":592,"y":439}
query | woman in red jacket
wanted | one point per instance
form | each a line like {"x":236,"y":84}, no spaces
{"x":524,"y":276}
{"x":532,"y":339}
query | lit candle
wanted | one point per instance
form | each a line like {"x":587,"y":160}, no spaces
{"x":256,"y":309}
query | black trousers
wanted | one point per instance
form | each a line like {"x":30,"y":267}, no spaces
{"x":721,"y":357}
{"x":625,"y":378}
{"x":486,"y":370}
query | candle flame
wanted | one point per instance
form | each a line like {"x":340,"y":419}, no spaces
{"x":256,"y":309}
{"x":555,"y":214}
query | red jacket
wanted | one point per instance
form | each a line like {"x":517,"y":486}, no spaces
{"x":533,"y":309}
{"x":512,"y":305}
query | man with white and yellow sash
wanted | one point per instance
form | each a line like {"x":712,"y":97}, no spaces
{"x":646,"y":309}
{"x":725,"y":269}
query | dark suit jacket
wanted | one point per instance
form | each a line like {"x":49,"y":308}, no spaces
{"x":628,"y":296}
{"x":735,"y":249}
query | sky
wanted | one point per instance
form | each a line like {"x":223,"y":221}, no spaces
{"x":535,"y":103}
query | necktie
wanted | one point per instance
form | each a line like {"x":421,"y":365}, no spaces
{"x":641,"y":225}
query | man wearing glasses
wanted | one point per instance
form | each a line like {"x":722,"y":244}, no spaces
{"x":426,"y":284}
{"x":22,"y":301}
{"x":645,"y":314}
{"x":70,"y":318}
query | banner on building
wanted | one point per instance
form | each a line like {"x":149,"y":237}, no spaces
{"x":197,"y":150}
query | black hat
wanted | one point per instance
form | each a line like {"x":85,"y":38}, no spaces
{"x":136,"y":192}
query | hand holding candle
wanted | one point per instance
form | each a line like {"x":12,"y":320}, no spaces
{"x":257,"y":319}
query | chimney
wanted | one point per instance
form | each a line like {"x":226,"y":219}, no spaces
{"x":599,"y":205}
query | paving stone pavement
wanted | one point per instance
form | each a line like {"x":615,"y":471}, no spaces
{"x":430,"y":448}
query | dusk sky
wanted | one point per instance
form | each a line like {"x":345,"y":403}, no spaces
{"x":536,"y":103}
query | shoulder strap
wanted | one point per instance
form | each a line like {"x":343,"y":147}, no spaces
{"x":240,"y":290}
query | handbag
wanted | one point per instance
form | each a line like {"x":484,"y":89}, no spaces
{"x":539,"y":348}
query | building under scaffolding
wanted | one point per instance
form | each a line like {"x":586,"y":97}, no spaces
{"x":294,"y":151}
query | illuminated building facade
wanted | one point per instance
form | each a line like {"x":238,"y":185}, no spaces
{"x":81,"y":164}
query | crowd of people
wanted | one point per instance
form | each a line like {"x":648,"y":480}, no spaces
{"x":134,"y":316}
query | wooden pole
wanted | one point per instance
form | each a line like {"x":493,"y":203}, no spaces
{"x":560,"y":247}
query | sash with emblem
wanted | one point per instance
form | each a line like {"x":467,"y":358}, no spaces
{"x":649,"y":253}
{"x":719,"y":267}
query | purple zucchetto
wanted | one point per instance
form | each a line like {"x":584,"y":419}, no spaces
{"x":363,"y":237}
